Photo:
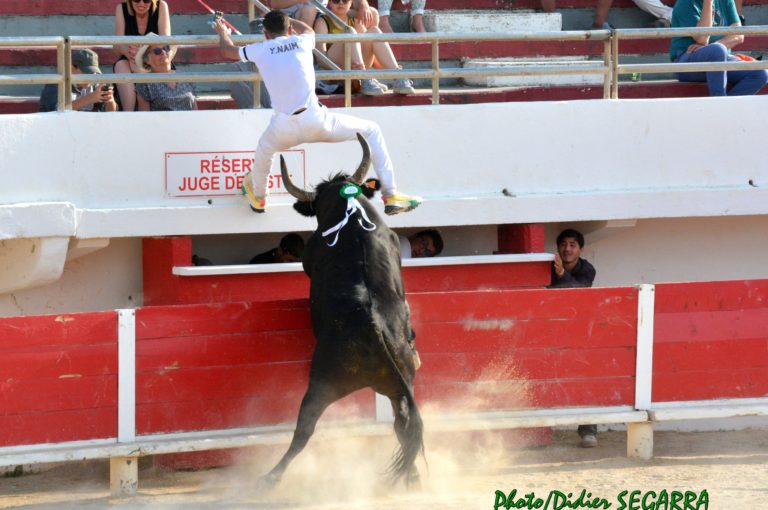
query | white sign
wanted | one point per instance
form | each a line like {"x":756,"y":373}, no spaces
{"x":205,"y":174}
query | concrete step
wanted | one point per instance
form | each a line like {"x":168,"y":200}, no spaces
{"x":530,"y":81}
{"x":466,"y":20}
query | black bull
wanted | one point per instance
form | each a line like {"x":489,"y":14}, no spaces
{"x":360,"y":318}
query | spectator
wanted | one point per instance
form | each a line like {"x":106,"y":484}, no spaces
{"x":661,"y":11}
{"x":367,"y":55}
{"x":242,"y":91}
{"x":417,"y":15}
{"x":136,"y":17}
{"x":570,"y":270}
{"x":303,"y":10}
{"x":200,"y":261}
{"x":426,"y":243}
{"x":86,"y":97}
{"x":285,"y":61}
{"x":705,"y":48}
{"x":290,"y":249}
{"x":176,"y":96}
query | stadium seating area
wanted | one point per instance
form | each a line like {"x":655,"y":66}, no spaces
{"x":87,"y":17}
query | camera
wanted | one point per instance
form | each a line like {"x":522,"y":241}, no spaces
{"x":104,"y":88}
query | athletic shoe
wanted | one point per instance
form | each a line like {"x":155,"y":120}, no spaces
{"x":661,"y":23}
{"x":404,"y":87}
{"x":588,"y":441}
{"x":398,"y":203}
{"x":258,"y":204}
{"x":371,"y":87}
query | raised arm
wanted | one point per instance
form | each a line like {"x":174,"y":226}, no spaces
{"x":226,"y":46}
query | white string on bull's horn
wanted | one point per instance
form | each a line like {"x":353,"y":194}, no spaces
{"x":350,"y":191}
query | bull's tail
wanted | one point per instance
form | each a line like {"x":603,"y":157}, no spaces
{"x":410,"y":433}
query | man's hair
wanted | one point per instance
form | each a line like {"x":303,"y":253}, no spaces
{"x":276,"y":22}
{"x":569,"y":232}
{"x":293,"y":244}
{"x":437,"y":239}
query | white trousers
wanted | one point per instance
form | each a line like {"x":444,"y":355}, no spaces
{"x":417,"y":7}
{"x":317,"y":124}
{"x":656,"y":8}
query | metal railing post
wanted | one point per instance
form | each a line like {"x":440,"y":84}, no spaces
{"x":615,"y":65}
{"x":436,"y":71}
{"x":347,"y":80}
{"x":65,"y":88}
{"x":608,"y":58}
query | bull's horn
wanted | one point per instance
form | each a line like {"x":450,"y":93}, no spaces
{"x":298,"y":193}
{"x":365,"y":163}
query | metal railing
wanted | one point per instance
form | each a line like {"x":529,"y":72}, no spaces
{"x":609,"y":67}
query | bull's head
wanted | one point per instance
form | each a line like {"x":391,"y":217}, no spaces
{"x":306,"y":198}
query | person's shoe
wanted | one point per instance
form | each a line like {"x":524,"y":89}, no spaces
{"x":661,"y":23}
{"x":258,"y":204}
{"x":371,"y":87}
{"x":398,"y":203}
{"x":403,"y":86}
{"x":588,"y":441}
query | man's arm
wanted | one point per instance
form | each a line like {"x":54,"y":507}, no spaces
{"x":226,"y":46}
{"x":300,"y":28}
{"x":705,"y":21}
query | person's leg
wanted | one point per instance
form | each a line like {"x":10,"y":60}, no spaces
{"x":716,"y":80}
{"x":655,"y":8}
{"x":378,"y":55}
{"x":601,"y":13}
{"x":745,"y":83}
{"x":127,"y":91}
{"x":277,"y":137}
{"x":588,"y":435}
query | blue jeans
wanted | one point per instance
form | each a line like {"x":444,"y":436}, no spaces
{"x":744,"y":83}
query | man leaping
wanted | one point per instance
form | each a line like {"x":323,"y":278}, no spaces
{"x":284,"y":60}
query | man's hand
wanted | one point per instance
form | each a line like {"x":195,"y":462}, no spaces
{"x":364,"y":13}
{"x":558,"y":263}
{"x":220,"y":28}
{"x":693,"y":47}
{"x":226,"y":46}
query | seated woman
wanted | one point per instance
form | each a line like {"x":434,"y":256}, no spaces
{"x":366,"y":55}
{"x":136,"y":17}
{"x":162,"y":96}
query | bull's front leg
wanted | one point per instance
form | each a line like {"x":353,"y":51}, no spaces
{"x":317,"y":398}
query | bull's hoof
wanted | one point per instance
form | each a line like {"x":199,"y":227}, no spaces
{"x":267,"y":482}
{"x":413,"y":480}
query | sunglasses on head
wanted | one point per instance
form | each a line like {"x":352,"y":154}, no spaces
{"x":160,"y":51}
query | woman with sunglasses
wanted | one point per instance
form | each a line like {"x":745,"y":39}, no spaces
{"x":366,"y":55}
{"x":157,"y":97}
{"x":136,"y":17}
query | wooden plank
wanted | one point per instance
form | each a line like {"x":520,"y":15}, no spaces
{"x":502,"y":395}
{"x":66,"y":329}
{"x":708,"y":384}
{"x":58,"y":425}
{"x":58,"y":362}
{"x":524,"y":304}
{"x":721,"y":355}
{"x":711,"y":326}
{"x":224,"y":350}
{"x":506,"y":335}
{"x":220,"y":382}
{"x":708,"y":412}
{"x":53,"y":394}
{"x":711,"y":296}
{"x":528,"y":364}
{"x":222,"y":318}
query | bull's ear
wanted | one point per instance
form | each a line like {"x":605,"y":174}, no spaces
{"x":304,"y":208}
{"x":370,"y":186}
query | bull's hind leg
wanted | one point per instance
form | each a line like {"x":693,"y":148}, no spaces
{"x":317,"y":398}
{"x":409,"y":431}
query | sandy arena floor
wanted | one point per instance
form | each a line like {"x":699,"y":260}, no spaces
{"x":731,"y":466}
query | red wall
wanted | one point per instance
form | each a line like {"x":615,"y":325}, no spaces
{"x":58,"y":378}
{"x":710,"y":340}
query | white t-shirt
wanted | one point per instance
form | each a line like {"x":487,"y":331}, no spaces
{"x":405,"y":247}
{"x":286,"y":65}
